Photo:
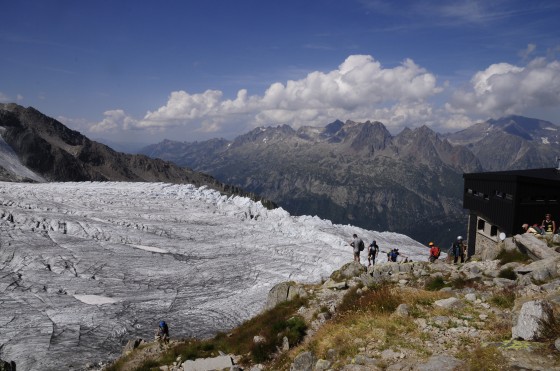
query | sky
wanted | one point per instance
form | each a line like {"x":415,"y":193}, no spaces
{"x":140,"y":72}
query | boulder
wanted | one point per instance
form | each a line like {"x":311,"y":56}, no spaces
{"x":449,"y":303}
{"x":206,"y":364}
{"x":533,"y":318}
{"x":541,"y":270}
{"x":282,"y":292}
{"x":441,"y":362}
{"x":349,"y":270}
{"x":403,"y":310}
{"x":333,"y":285}
{"x":322,"y":365}
{"x":536,"y":248}
{"x":303,"y":362}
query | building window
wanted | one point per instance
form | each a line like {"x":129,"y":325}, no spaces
{"x":493,"y":230}
{"x":480,"y":224}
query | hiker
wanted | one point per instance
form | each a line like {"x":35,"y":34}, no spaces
{"x":373,"y":250}
{"x":434,"y":252}
{"x":393,"y":255}
{"x":548,"y":225}
{"x":358,"y":246}
{"x":458,"y":250}
{"x":162,"y":333}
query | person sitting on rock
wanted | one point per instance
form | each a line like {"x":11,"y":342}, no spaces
{"x":531,"y":229}
{"x":548,"y":225}
{"x":162,"y":333}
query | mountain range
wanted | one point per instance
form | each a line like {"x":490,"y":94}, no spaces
{"x":35,"y":147}
{"x":359,"y":173}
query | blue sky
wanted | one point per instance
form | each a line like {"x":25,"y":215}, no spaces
{"x":134,"y":71}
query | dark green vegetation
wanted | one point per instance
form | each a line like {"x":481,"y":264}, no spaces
{"x":512,"y":256}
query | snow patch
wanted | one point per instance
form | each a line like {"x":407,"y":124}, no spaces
{"x":550,"y":128}
{"x":95,"y":299}
{"x":150,"y":248}
{"x":545,"y":140}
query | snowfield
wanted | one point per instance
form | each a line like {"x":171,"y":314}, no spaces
{"x":84,"y":267}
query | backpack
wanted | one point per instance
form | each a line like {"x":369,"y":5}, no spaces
{"x":394,"y":254}
{"x":437,"y":252}
{"x":361,"y":245}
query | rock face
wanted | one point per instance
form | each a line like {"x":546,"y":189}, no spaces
{"x":534,"y":247}
{"x":304,"y":362}
{"x":56,"y":153}
{"x":350,"y":172}
{"x":282,"y":292}
{"x":207,"y":364}
{"x":533,"y":318}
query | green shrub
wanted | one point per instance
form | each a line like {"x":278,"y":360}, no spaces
{"x":512,"y":256}
{"x":508,"y":273}
{"x":435,"y":283}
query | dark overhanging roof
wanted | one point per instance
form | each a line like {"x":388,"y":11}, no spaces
{"x":546,"y":174}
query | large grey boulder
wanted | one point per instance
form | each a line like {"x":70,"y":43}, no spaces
{"x":304,"y":362}
{"x":282,"y":292}
{"x":207,"y":364}
{"x":348,"y":270}
{"x":532,"y":321}
{"x":449,"y":303}
{"x":536,"y":248}
{"x":541,"y":270}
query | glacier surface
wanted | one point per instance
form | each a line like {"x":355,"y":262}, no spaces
{"x":84,"y":267}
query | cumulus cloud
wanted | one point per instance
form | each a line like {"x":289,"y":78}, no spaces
{"x":525,"y":53}
{"x":504,"y":89}
{"x":359,"y":88}
{"x":114,"y":120}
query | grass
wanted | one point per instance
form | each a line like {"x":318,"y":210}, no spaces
{"x":512,"y":256}
{"x":504,"y":299}
{"x":435,"y":283}
{"x":485,"y":358}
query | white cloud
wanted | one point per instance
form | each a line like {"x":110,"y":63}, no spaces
{"x":504,"y":89}
{"x":359,"y":87}
{"x":113,"y":121}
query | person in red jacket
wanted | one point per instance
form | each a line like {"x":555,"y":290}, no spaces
{"x":434,"y":252}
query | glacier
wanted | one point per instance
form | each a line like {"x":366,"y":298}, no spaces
{"x":86,"y":266}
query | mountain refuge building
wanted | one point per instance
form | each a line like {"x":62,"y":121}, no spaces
{"x":502,"y":201}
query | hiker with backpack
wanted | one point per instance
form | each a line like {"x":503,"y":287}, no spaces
{"x":162,"y":333}
{"x":373,"y":250}
{"x":434,"y":252}
{"x":358,"y":246}
{"x":458,"y":250}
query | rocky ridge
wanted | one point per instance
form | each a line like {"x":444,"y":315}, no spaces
{"x":436,"y":316}
{"x":351,"y":173}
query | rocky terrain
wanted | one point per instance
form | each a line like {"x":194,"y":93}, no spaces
{"x":86,"y":266}
{"x":348,"y":172}
{"x":498,"y":314}
{"x":37,"y":148}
